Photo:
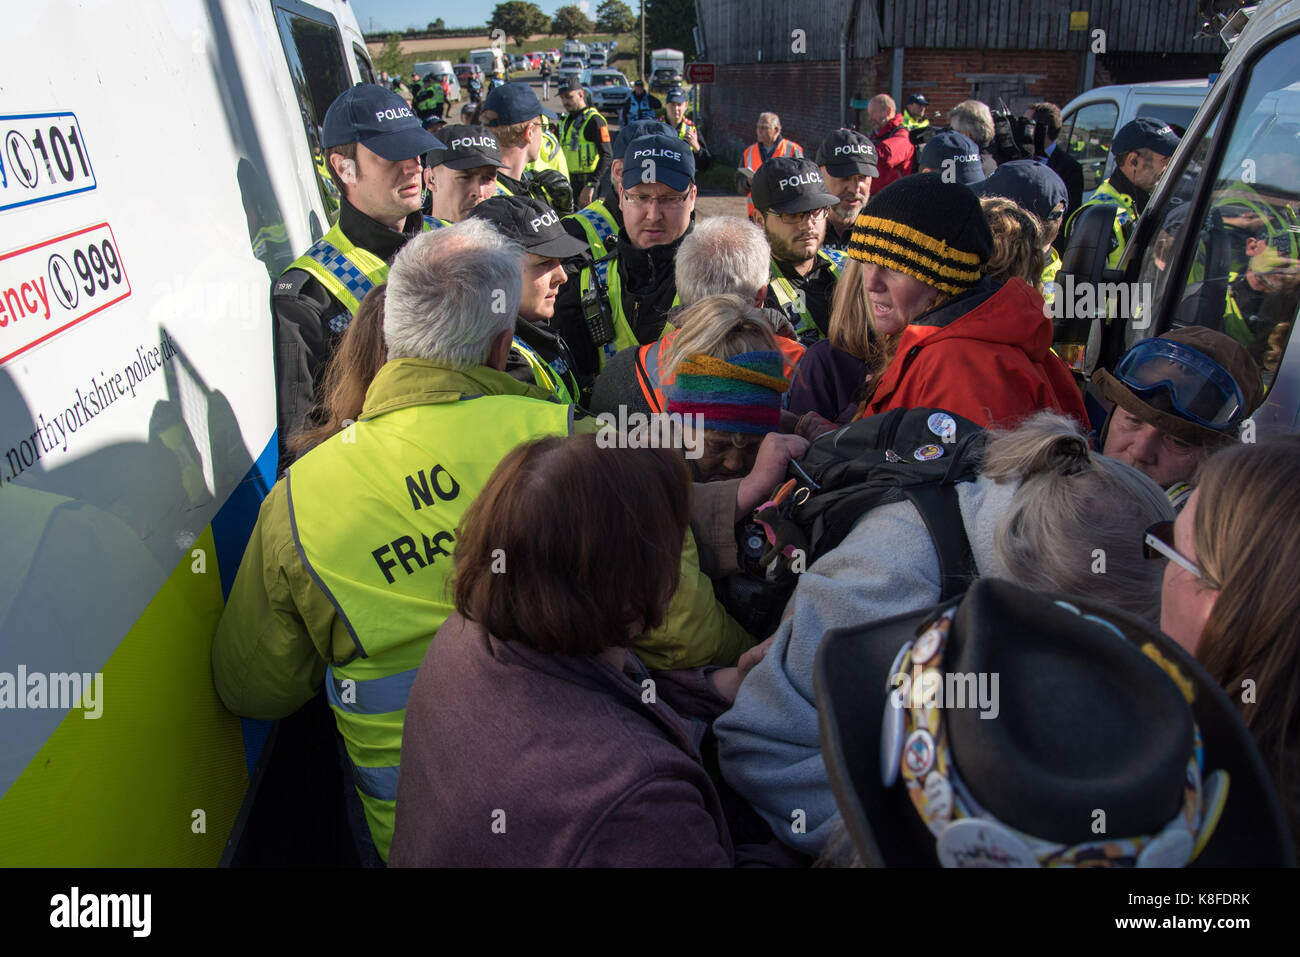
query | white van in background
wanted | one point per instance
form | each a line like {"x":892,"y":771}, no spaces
{"x":490,"y":60}
{"x":1090,"y":120}
{"x":440,"y":69}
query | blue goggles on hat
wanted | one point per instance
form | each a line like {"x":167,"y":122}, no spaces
{"x":1199,"y":389}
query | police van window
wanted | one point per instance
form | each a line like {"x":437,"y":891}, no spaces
{"x":315,"y":52}
{"x":1243,"y":277}
{"x":364,"y":69}
{"x":1091,"y":129}
{"x":1178,"y":117}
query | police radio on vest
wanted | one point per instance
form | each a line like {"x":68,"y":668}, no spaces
{"x":392,"y":114}
{"x":668,"y":154}
{"x":803,"y":179}
{"x":547,"y":219}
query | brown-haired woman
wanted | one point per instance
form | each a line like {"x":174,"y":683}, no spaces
{"x":533,"y":736}
{"x":1239,"y":611}
{"x":360,"y":354}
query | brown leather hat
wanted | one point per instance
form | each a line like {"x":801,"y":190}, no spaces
{"x":1227,"y":352}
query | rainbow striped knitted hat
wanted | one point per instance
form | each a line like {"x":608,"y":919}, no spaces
{"x":740,"y":394}
{"x":931,"y":230}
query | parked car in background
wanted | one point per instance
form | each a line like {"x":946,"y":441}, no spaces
{"x":1090,"y":120}
{"x":440,"y":69}
{"x":572,"y":63}
{"x":596,"y":61}
{"x":465,"y":70}
{"x":610,"y":90}
{"x":664,"y":79}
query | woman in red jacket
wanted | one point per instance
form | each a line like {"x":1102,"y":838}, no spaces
{"x":955,"y":339}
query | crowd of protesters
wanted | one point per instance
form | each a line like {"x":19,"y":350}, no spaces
{"x":523,"y":448}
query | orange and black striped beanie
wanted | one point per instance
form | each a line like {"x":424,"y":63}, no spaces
{"x":931,"y":230}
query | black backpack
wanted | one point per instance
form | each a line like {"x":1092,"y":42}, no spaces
{"x":915,"y":454}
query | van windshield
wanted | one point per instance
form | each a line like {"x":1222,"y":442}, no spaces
{"x":1242,"y":272}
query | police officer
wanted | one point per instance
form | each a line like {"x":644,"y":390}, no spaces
{"x":624,"y":300}
{"x":848,"y":163}
{"x":953,"y":156}
{"x":584,"y":136}
{"x":538,"y":355}
{"x":599,"y":221}
{"x":1142,"y":148}
{"x":914,"y":117}
{"x":640,"y":105}
{"x":373,"y":144}
{"x":792,"y":198}
{"x":1034,"y":187}
{"x":675,"y":116}
{"x":462,"y":174}
{"x":430,"y":99}
{"x":514,"y":114}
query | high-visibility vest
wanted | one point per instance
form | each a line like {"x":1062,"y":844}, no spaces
{"x":555,"y":376}
{"x":550,"y":156}
{"x":794,"y":305}
{"x":1125,"y":216}
{"x":1050,"y":270}
{"x":407,"y":477}
{"x":430,"y":97}
{"x":346,"y":270}
{"x":600,"y":226}
{"x":580,"y":154}
{"x":605,"y":275}
{"x":685,"y":125}
{"x":650,"y":358}
{"x":914,"y":124}
{"x":639,"y":109}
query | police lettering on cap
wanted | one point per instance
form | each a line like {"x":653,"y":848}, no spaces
{"x":848,"y":153}
{"x":788,"y":185}
{"x":659,"y":158}
{"x":1145,"y":133}
{"x":531,"y":223}
{"x":379,"y":120}
{"x":513,"y":103}
{"x":468,"y":147}
{"x":635,"y":130}
{"x":954,"y":156}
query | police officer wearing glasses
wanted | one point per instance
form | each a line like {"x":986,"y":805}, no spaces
{"x":622,"y":299}
{"x":1178,"y":398}
{"x":793,"y":201}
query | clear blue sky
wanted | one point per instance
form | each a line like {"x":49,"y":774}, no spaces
{"x":400,"y":14}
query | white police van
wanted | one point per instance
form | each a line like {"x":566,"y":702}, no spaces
{"x":150,"y":188}
{"x":1219,"y":242}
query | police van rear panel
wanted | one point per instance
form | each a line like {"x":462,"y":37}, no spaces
{"x":151,"y":188}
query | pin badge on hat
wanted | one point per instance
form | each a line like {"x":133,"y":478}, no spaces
{"x":972,"y":842}
{"x":1173,"y":848}
{"x":928,"y":645}
{"x":928,"y":453}
{"x":938,"y":802}
{"x":891,"y":727}
{"x":892,"y":456}
{"x":1215,"y":796}
{"x":943,"y":425}
{"x":918,"y":752}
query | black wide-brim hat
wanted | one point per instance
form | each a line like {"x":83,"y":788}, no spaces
{"x":1086,"y":721}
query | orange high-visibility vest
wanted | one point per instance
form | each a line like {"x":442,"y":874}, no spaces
{"x":753,"y":159}
{"x":648,"y":360}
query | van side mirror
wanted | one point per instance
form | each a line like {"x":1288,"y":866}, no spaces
{"x":1089,"y":246}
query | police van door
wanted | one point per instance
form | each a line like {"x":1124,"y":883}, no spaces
{"x":1220,"y":244}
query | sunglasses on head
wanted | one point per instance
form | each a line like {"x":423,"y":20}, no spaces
{"x":1158,"y":542}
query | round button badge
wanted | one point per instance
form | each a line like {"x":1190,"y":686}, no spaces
{"x":973,"y":842}
{"x":943,"y":425}
{"x":891,"y":724}
{"x":928,"y":453}
{"x":1170,"y":849}
{"x":918,"y":752}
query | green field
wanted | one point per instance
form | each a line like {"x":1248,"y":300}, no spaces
{"x":625,"y":57}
